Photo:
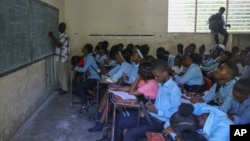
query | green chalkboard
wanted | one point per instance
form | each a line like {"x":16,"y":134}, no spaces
{"x":24,"y":27}
{"x":14,"y":34}
{"x":44,"y":18}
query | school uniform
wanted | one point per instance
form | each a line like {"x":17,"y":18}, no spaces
{"x":114,"y":70}
{"x":178,"y":69}
{"x":171,"y":60}
{"x":204,"y":57}
{"x":210,"y":62}
{"x":112,"y":63}
{"x":125,"y":67}
{"x":217,"y":124}
{"x":210,"y":68}
{"x":132,"y":74}
{"x":241,"y":111}
{"x":225,"y":94}
{"x":91,"y":82}
{"x":100,"y":60}
{"x":167,"y":102}
{"x":240,"y":67}
{"x":245,"y":73}
{"x":193,"y":79}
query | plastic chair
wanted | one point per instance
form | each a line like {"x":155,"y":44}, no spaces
{"x":207,"y":83}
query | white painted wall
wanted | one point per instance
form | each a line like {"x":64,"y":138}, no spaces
{"x":22,"y":92}
{"x":85,"y":17}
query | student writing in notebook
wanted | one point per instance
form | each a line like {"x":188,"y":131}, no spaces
{"x":145,"y":85}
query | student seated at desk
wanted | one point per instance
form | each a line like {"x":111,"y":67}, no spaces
{"x":192,"y":80}
{"x":110,"y":61}
{"x":240,"y":106}
{"x":163,"y":54}
{"x":246,"y":72}
{"x":90,"y":66}
{"x":123,"y":66}
{"x":192,"y":122}
{"x":136,"y":58}
{"x":144,"y":85}
{"x":138,"y":55}
{"x":101,"y":55}
{"x":224,"y":57}
{"x":178,"y":68}
{"x":184,"y":125}
{"x":212,"y":63}
{"x":167,"y":101}
{"x":220,"y":94}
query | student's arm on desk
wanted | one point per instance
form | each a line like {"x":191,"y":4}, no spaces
{"x":168,"y":131}
{"x":85,"y":67}
{"x":133,"y":89}
{"x":121,"y":88}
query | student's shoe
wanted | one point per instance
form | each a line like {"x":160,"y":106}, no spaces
{"x":111,"y":80}
{"x":83,"y":110}
{"x":98,"y":127}
{"x":63,"y":92}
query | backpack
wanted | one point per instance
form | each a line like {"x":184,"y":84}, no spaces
{"x":215,"y":22}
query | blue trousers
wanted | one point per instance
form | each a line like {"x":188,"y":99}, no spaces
{"x":81,"y":89}
{"x":140,"y":131}
{"x":134,"y":132}
{"x":123,"y":122}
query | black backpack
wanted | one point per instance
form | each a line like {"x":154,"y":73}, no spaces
{"x":215,"y":22}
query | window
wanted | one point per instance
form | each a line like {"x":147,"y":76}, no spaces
{"x":205,"y":8}
{"x":192,"y":15}
{"x":181,"y":15}
{"x":239,"y":15}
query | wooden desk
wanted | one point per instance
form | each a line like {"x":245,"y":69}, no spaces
{"x":131,"y":103}
{"x":102,"y":81}
{"x":154,"y":136}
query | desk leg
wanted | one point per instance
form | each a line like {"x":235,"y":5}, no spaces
{"x":107,"y":110}
{"x":97,"y":93}
{"x":113,"y":123}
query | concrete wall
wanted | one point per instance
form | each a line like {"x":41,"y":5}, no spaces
{"x":86,"y":17}
{"x":19,"y":99}
{"x":22,"y":92}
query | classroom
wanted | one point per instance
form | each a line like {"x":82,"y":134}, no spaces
{"x":28,"y":72}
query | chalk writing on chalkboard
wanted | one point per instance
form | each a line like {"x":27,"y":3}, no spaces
{"x":24,"y":26}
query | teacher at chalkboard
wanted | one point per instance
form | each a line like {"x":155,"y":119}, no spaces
{"x":61,"y":58}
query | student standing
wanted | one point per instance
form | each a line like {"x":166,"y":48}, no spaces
{"x":216,"y":25}
{"x":61,"y":57}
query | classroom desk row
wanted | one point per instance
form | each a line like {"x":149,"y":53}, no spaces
{"x":132,"y":103}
